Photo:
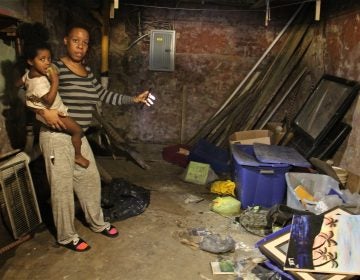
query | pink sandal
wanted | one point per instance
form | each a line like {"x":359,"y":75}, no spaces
{"x":77,"y":245}
{"x":110,"y":231}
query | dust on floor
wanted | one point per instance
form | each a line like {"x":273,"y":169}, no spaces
{"x":148,"y":247}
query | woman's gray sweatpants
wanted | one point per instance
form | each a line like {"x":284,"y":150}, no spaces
{"x":65,"y":178}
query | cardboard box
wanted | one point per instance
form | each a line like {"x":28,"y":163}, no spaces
{"x":249,"y":137}
{"x":278,"y":131}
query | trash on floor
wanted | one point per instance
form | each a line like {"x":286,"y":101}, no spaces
{"x":192,"y":237}
{"x":190,"y":198}
{"x":226,"y":206}
{"x":222,"y":267}
{"x":199,"y":173}
{"x":199,"y":231}
{"x":223,"y":187}
{"x":253,"y":220}
{"x":202,"y":238}
{"x":214,"y":243}
{"x":121,"y":200}
{"x":281,"y":215}
{"x":316,"y":193}
{"x":252,"y":268}
{"x":177,"y":154}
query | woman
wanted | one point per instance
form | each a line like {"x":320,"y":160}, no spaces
{"x":80,"y":91}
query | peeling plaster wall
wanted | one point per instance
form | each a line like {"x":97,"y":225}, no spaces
{"x":7,"y":53}
{"x":12,"y":109}
{"x":343,"y":59}
{"x":342,"y":38}
{"x":214,"y":52}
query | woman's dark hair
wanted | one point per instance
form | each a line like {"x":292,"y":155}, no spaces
{"x":73,"y":25}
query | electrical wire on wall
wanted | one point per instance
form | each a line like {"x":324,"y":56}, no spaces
{"x":258,"y":10}
{"x":146,"y":23}
{"x":217,"y":10}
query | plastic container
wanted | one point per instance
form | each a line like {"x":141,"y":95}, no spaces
{"x":318,"y":185}
{"x":257,"y":183}
{"x":206,"y":152}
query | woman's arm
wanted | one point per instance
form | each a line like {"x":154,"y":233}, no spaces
{"x":114,"y":98}
{"x":51,"y":117}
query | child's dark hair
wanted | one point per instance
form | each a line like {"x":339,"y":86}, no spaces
{"x":34,"y":37}
{"x":30,"y":51}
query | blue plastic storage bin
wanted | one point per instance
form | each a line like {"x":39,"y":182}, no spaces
{"x":257,"y":183}
{"x":206,"y":152}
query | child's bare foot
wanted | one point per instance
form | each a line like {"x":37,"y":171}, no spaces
{"x":83,"y":162}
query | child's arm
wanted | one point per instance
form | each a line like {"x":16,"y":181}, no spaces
{"x":49,"y":98}
{"x":19,"y":83}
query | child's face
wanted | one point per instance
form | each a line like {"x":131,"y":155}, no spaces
{"x":41,"y":62}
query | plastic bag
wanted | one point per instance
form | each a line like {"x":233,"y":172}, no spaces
{"x":223,"y":187}
{"x":121,"y":200}
{"x":213,"y":243}
{"x":226,"y":206}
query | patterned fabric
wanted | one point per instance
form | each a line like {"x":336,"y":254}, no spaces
{"x":35,"y":89}
{"x":80,"y":94}
{"x":66,"y":178}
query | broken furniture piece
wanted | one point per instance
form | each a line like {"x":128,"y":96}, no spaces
{"x":118,"y":141}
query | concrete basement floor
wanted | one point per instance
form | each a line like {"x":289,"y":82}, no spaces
{"x":148,"y":247}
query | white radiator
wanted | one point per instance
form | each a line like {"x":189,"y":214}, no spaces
{"x":18,"y":203}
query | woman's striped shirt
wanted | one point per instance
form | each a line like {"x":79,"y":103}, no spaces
{"x":80,"y":94}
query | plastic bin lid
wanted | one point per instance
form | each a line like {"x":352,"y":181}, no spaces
{"x":244,"y":158}
{"x":279,"y":154}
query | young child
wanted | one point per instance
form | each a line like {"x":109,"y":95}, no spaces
{"x":41,"y":83}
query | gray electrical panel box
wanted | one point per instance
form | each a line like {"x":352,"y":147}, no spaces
{"x":162,"y":50}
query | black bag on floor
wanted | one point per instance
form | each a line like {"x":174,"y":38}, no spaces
{"x":121,"y":200}
{"x":281,"y":215}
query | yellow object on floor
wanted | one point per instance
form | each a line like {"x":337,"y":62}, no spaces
{"x":226,"y":206}
{"x":303,"y":194}
{"x":223,"y":187}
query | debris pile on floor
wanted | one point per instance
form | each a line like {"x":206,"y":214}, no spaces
{"x":275,"y":193}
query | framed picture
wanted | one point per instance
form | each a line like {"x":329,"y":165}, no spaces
{"x":275,"y":247}
{"x":323,"y":110}
{"x":324,"y":243}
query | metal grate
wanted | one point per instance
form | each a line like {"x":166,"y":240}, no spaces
{"x":162,"y":50}
{"x":18,"y":202}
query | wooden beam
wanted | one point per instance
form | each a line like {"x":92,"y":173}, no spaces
{"x":105,"y":37}
{"x":112,"y":11}
{"x":317,"y":10}
{"x":119,"y":142}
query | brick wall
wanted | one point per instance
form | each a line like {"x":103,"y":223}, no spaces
{"x":214,"y":52}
